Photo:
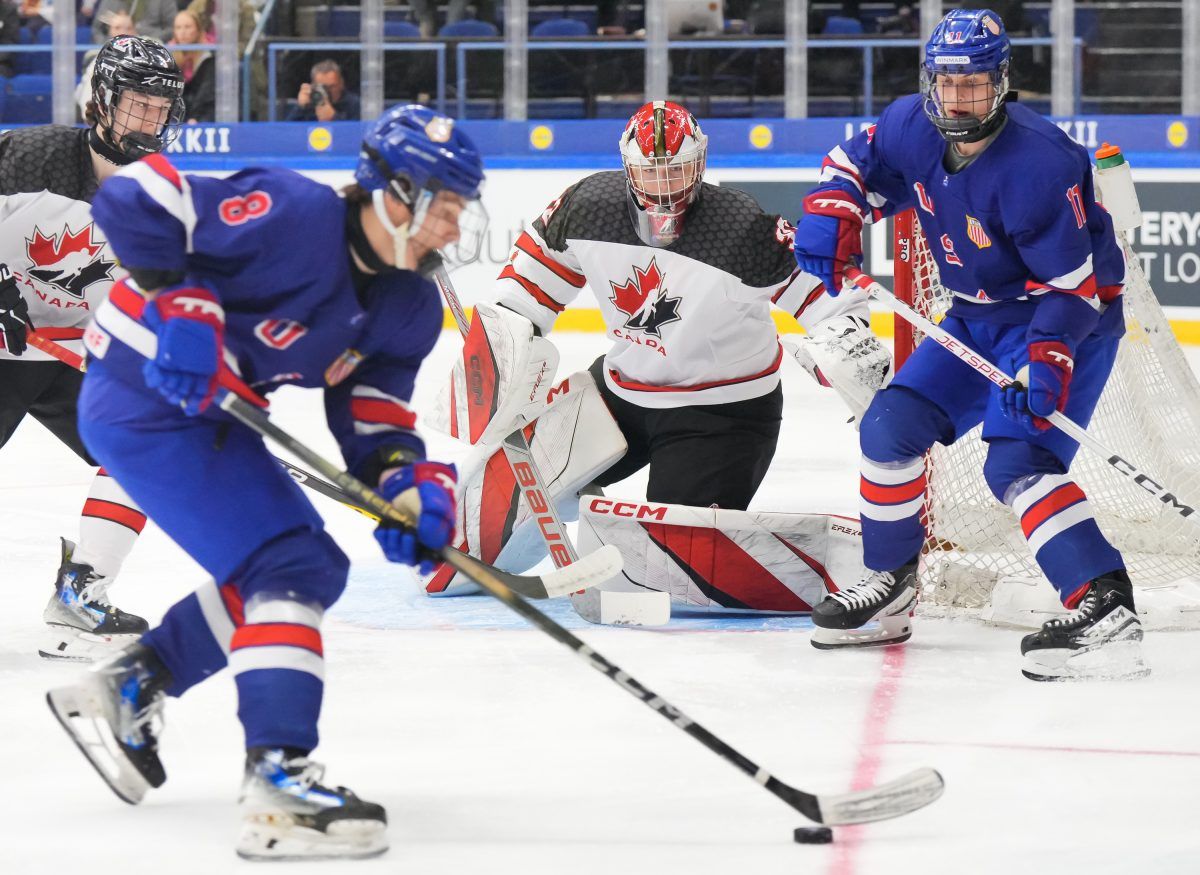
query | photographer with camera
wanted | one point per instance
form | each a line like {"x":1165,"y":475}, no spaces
{"x":325,"y":98}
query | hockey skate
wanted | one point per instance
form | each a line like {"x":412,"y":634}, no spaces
{"x":82,"y":625}
{"x":1100,"y":640}
{"x":289,"y":815}
{"x":876,"y":610}
{"x":113,"y":715}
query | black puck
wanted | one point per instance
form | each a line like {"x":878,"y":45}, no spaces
{"x":812,"y":835}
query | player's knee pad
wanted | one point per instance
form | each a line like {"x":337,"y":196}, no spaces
{"x":573,"y":441}
{"x":900,"y":425}
{"x":1014,"y":463}
{"x":304,"y":563}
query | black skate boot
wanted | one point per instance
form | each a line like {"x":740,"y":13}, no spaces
{"x":1100,"y":640}
{"x":289,"y":815}
{"x":82,"y":624}
{"x":113,"y":715}
{"x":884,"y":599}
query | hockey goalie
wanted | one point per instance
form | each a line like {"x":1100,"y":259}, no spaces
{"x":685,"y":274}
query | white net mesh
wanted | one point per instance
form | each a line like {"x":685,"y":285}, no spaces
{"x":1149,"y":412}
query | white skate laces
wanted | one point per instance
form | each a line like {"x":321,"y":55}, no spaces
{"x":872,"y":589}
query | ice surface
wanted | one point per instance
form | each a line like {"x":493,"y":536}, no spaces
{"x":496,"y":750}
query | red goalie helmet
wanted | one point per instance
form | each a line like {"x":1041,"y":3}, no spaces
{"x":663,"y":150}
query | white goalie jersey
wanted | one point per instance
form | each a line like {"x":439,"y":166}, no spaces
{"x":690,"y":323}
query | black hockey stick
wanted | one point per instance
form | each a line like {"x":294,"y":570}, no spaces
{"x":901,"y":796}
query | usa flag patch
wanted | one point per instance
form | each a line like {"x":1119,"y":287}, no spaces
{"x":976,"y":234}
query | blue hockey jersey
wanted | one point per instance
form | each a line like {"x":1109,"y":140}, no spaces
{"x":271,"y":244}
{"x":1017,"y":223}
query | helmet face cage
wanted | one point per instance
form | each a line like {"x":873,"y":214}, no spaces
{"x":139,"y":67}
{"x":964,"y":44}
{"x":664,"y":153}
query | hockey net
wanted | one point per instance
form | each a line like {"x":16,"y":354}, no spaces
{"x":1150,"y":411}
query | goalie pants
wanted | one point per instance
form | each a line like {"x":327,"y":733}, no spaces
{"x":213,"y":487}
{"x":935,"y":399}
{"x":699,"y":456}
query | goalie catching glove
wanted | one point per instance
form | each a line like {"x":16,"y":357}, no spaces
{"x":14,"y":313}
{"x":425,"y":491}
{"x":843,"y":353}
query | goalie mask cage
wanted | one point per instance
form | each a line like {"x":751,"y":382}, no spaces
{"x":1150,"y":411}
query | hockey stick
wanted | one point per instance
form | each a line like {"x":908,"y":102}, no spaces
{"x":901,"y":796}
{"x":996,"y":376}
{"x":626,"y":609}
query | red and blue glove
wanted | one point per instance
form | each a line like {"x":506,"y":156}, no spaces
{"x":1042,"y":385}
{"x":425,"y":490}
{"x":190,"y":325}
{"x":829,"y":237}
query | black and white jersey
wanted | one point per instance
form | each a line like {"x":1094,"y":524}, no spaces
{"x":62,"y":263}
{"x":691,"y":322}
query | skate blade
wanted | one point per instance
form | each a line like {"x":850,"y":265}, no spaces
{"x":76,"y":709}
{"x":887,"y":630}
{"x":74,"y":645}
{"x":271,"y":837}
{"x":1117,"y":661}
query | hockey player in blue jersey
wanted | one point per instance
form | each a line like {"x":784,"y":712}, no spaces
{"x":1008,"y":207}
{"x":280,"y":280}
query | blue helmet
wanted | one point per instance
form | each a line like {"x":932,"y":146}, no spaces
{"x":411,"y":149}
{"x":966,"y":41}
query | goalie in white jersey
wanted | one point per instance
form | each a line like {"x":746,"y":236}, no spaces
{"x":685,"y":274}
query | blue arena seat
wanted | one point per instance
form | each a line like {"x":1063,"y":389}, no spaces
{"x":560,"y":27}
{"x":469,"y":27}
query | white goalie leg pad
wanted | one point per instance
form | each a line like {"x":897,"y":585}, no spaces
{"x":725,"y":559}
{"x":499,"y":381}
{"x":573,"y":441}
{"x":843,"y":353}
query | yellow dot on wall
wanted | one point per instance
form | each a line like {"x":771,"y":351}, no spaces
{"x":541,"y":137}
{"x":1177,"y":134}
{"x":320,"y":139}
{"x":761,"y":137}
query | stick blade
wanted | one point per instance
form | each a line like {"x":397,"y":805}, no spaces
{"x":904,"y":795}
{"x":585,"y":572}
{"x":623,"y":608}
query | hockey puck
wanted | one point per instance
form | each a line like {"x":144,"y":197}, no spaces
{"x":812,"y":835}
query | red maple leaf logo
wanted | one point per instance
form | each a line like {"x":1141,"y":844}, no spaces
{"x":631,"y":296}
{"x":44,"y":251}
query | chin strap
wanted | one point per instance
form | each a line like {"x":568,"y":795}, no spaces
{"x":399,"y":234}
{"x":357,"y":238}
{"x":106,"y":151}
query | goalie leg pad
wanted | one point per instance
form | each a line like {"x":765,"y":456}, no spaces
{"x":725,"y":559}
{"x":499,"y":380}
{"x":573,"y":442}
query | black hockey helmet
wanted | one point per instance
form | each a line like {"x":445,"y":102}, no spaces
{"x":143,"y":66}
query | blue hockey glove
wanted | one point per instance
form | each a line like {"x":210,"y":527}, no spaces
{"x":14,"y":313}
{"x":190,"y":325}
{"x":426,"y":490}
{"x":1042,"y":385}
{"x":829,"y":237}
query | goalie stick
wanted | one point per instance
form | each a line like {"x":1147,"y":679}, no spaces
{"x":595,"y":606}
{"x":596,"y":567}
{"x":996,"y":376}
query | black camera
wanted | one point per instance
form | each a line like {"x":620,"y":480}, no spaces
{"x":319,"y":95}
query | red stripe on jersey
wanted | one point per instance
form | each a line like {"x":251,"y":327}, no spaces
{"x":115,"y":513}
{"x":646,"y":387}
{"x":783,"y":288}
{"x":812,"y":296}
{"x":127,"y":300}
{"x":163,"y":168}
{"x":1086,"y":289}
{"x":724,"y":571}
{"x":1108,"y":294}
{"x":277,"y":635}
{"x":530,"y":247}
{"x":898,"y":494}
{"x":530,"y":286}
{"x":829,"y":162}
{"x":453,"y":410}
{"x":1041,"y":510}
{"x":378,"y":411}
{"x":233,"y":604}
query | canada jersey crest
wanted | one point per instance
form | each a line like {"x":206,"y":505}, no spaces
{"x":70,"y":261}
{"x":644,"y":299}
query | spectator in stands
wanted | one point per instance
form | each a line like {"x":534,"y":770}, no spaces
{"x":154,"y":18}
{"x":34,"y":14}
{"x":456,"y":10}
{"x":206,"y":13}
{"x":325,"y":98}
{"x":10,"y":32}
{"x":199,"y":71}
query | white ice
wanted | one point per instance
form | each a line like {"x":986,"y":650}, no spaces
{"x":496,"y":750}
